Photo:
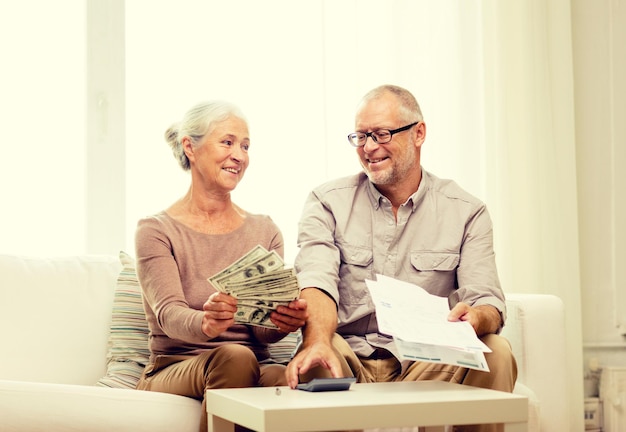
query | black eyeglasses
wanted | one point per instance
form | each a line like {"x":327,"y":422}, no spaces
{"x":380,"y":136}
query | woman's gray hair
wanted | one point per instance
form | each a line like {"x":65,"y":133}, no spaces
{"x":196,"y":123}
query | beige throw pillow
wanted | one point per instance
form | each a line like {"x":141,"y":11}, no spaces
{"x":128,"y":351}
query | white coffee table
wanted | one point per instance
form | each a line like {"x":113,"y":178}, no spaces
{"x":376,"y":405}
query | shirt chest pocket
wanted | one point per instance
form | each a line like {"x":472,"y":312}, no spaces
{"x":356,"y":266}
{"x":435,"y":271}
{"x":434,"y":261}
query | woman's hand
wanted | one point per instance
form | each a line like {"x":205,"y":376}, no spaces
{"x":291,"y":317}
{"x":219,"y":314}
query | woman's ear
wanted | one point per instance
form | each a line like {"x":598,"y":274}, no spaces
{"x":187,"y":145}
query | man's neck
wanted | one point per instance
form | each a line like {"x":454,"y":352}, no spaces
{"x":398,"y":194}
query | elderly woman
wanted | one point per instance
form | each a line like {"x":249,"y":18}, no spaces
{"x":194,"y":342}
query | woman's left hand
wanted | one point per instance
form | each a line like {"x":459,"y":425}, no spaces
{"x":291,"y":317}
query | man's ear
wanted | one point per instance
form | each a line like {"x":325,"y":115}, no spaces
{"x":419,"y":131}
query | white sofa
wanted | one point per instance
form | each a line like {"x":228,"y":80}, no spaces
{"x":56,"y":315}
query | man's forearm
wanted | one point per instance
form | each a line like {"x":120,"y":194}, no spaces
{"x":322,"y":321}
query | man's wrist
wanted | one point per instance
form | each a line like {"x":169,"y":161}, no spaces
{"x":490,"y":319}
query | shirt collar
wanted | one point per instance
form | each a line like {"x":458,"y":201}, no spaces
{"x":416,"y":197}
{"x":374,"y":195}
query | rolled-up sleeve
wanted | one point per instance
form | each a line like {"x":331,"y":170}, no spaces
{"x":317,"y":263}
{"x":477,"y":275}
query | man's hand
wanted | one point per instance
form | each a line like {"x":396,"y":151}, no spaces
{"x":316,"y":347}
{"x":291,"y":317}
{"x":316,"y":354}
{"x":219,"y":314}
{"x":484,"y":318}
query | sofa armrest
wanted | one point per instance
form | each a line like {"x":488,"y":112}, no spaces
{"x":536,"y":329}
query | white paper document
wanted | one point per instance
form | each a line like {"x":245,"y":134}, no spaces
{"x":418,"y":322}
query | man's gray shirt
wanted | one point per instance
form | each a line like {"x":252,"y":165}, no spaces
{"x":442,"y":241}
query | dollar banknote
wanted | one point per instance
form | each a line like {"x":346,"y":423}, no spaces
{"x":260,"y":283}
{"x":248,"y":268}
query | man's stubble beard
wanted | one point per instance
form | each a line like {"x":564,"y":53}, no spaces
{"x":396,"y":172}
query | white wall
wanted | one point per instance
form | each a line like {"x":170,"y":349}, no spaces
{"x":297,"y":70}
{"x":42,"y":116}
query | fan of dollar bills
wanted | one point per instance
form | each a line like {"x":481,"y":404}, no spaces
{"x":260,"y":283}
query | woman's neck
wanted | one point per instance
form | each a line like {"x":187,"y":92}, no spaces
{"x":208,"y":214}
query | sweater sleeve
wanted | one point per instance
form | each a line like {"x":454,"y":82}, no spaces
{"x":161,"y":284}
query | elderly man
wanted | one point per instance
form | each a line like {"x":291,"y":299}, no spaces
{"x":398,"y":220}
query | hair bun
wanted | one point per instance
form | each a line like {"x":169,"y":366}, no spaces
{"x":171,"y":135}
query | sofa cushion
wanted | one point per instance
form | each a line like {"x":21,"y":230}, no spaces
{"x":55,"y":314}
{"x":42,"y":407}
{"x":128,"y":351}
